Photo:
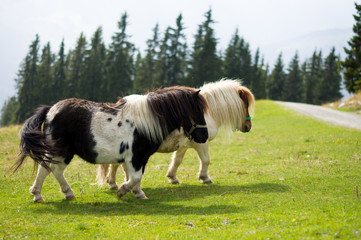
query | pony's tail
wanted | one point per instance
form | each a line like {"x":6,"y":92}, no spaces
{"x":33,"y":141}
{"x":102,"y":172}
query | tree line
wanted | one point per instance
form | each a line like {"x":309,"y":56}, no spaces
{"x":103,"y":73}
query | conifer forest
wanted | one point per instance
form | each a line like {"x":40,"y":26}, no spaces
{"x":95,"y":71}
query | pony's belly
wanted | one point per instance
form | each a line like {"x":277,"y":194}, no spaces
{"x":108,"y":156}
{"x":173,"y":142}
{"x":113,"y":137}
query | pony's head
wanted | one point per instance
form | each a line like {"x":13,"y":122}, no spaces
{"x":231,"y":104}
{"x":181,"y":107}
{"x":248,"y":102}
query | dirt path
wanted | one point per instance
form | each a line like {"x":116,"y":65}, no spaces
{"x":326,"y":114}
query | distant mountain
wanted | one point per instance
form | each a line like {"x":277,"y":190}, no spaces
{"x":305,"y":45}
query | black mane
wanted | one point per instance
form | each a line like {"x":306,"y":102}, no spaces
{"x":175,"y":104}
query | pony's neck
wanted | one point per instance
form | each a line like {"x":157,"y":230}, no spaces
{"x":146,"y":121}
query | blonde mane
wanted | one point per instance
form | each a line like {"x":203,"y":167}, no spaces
{"x":143,"y":117}
{"x":225,"y":104}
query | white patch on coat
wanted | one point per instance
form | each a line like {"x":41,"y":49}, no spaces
{"x":109,"y":136}
{"x":53,"y":111}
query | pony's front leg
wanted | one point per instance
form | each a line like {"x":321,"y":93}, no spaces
{"x":111,"y":177}
{"x":176,"y":161}
{"x":137,"y":190}
{"x":203,"y":154}
{"x":135,"y":176}
{"x":35,"y":190}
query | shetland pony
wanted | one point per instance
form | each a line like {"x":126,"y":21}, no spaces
{"x":127,"y":132}
{"x":230,"y":106}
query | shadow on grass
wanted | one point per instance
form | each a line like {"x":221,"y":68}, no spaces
{"x":173,"y":200}
{"x":182,"y":191}
{"x":135,"y":207}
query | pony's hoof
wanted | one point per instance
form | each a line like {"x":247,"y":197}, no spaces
{"x":142,"y":197}
{"x":206,"y":180}
{"x":122,"y":190}
{"x":174,"y":180}
{"x":70,"y":197}
{"x":139,"y":194}
{"x":115,"y":187}
{"x":120,"y":195}
{"x":39,"y":200}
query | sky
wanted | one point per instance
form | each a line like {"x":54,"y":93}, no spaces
{"x":273,"y":26}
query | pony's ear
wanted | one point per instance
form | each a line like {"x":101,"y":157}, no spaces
{"x":196,"y":95}
{"x":244,"y":94}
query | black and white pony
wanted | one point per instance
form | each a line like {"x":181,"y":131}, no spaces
{"x":127,"y":132}
{"x":230,"y":106}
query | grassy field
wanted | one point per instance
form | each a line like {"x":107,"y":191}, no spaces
{"x":291,"y":177}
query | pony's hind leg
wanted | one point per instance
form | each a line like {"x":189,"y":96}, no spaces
{"x":126,"y":175}
{"x":35,"y":190}
{"x":58,"y":171}
{"x":203,"y":154}
{"x":176,"y":161}
{"x":111,"y":176}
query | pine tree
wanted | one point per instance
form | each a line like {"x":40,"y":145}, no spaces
{"x":59,"y":75}
{"x":238,"y":61}
{"x":145,"y":69}
{"x":8,"y":112}
{"x":178,"y":54}
{"x":76,"y":65}
{"x":162,"y":73}
{"x":260,"y":79}
{"x":330,"y":85}
{"x":196,"y":64}
{"x":45,"y":77}
{"x":119,"y":64}
{"x":276,"y":82}
{"x":232,"y":59}
{"x":305,"y":76}
{"x":246,"y":63}
{"x":140,"y":83}
{"x":312,"y":77}
{"x":257,"y":84}
{"x":92,"y":74}
{"x":25,"y":82}
{"x":205,"y":63}
{"x":293,"y":86}
{"x":352,"y":63}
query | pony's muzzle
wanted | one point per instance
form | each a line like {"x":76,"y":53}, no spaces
{"x":247,"y":127}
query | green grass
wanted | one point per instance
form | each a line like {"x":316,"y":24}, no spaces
{"x":291,"y":177}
